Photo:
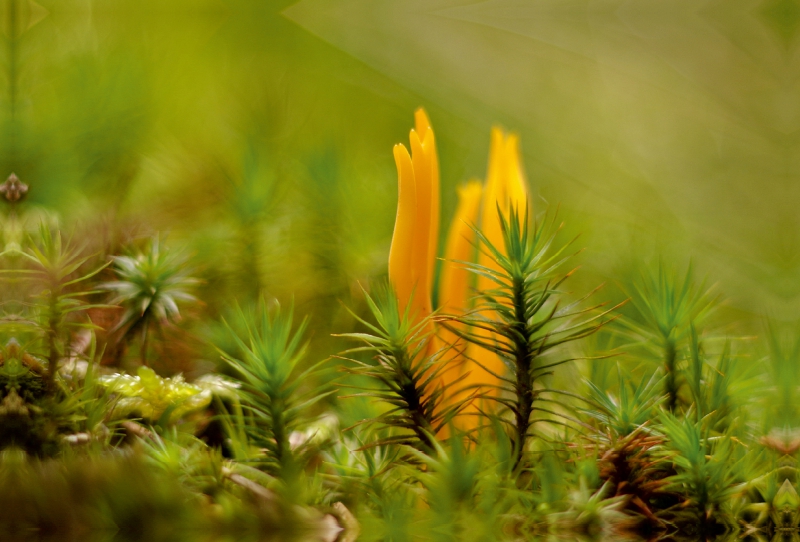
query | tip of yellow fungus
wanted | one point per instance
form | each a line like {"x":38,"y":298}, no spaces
{"x":400,"y":151}
{"x":497,"y":136}
{"x":421,"y":122}
{"x":512,"y":141}
{"x":426,"y":138}
{"x":517,"y":186}
{"x":415,"y":140}
{"x":405,"y":169}
{"x":512,"y":149}
{"x":496,"y":154}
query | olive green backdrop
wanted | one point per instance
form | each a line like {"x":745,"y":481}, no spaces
{"x":259,"y":134}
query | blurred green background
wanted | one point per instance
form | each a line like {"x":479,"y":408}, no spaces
{"x":258,"y":134}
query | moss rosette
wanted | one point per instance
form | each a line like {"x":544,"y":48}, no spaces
{"x":150,"y":395}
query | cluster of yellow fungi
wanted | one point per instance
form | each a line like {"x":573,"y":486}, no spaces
{"x":414,"y":249}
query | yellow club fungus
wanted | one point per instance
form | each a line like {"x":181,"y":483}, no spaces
{"x":416,"y":230}
{"x":414,"y":246}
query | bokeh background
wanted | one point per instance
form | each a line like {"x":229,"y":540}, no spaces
{"x":257,"y":134}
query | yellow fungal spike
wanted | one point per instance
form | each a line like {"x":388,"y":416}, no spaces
{"x":420,"y":260}
{"x":421,"y":122}
{"x":454,"y":291}
{"x":515,"y":179}
{"x":422,"y":126}
{"x":493,"y":195}
{"x":454,"y":287}
{"x":401,"y":274}
{"x":505,"y":186}
{"x":429,"y":146}
{"x":413,"y":252}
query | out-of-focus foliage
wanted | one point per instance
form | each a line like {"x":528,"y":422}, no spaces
{"x":182,"y":169}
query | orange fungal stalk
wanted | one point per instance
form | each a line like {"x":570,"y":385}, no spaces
{"x":413,"y":251}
